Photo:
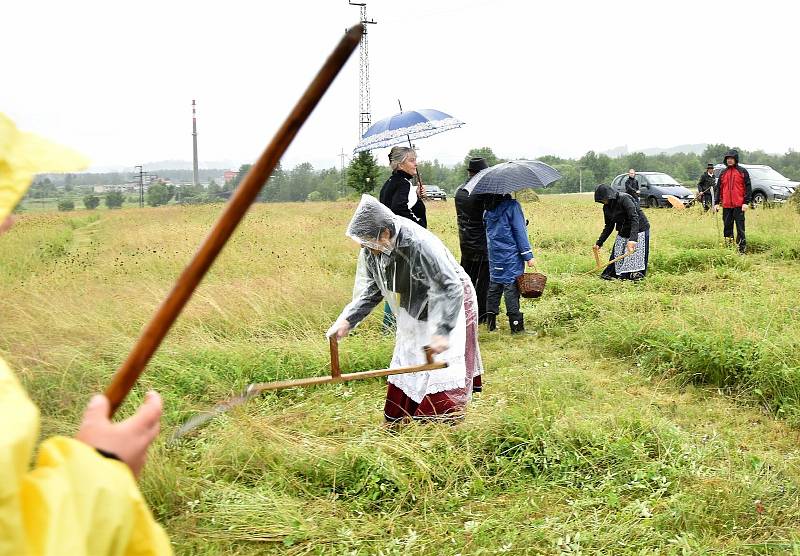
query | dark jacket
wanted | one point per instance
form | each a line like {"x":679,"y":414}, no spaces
{"x":471,"y":229}
{"x":733,"y":187}
{"x":507,"y":236}
{"x":621,"y":212}
{"x":706,"y":183}
{"x":398,"y":191}
{"x":632,"y":187}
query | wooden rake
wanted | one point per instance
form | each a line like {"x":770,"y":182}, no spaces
{"x":155,"y":331}
{"x":335,"y":377}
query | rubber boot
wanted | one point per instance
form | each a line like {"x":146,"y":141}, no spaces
{"x":517,"y":324}
{"x":491,"y":322}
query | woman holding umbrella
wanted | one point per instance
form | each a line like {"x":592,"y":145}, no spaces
{"x":435,"y":305}
{"x":509,"y":248}
{"x":399,"y":192}
{"x":633,"y":239}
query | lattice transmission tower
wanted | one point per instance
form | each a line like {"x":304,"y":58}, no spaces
{"x":365,"y":115}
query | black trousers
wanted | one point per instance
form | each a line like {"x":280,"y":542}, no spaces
{"x":731,"y":216}
{"x":511,"y":294}
{"x":707,"y":200}
{"x":478,"y":269}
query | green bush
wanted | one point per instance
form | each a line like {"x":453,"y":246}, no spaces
{"x":66,"y":204}
{"x":91,"y":202}
{"x":114,"y":199}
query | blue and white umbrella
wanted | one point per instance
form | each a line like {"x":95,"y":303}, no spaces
{"x":406,"y":126}
{"x":508,"y":177}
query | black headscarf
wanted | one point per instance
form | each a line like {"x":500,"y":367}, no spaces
{"x":604,"y":193}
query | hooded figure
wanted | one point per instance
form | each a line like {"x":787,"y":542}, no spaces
{"x":621,"y":211}
{"x":77,"y":499}
{"x":509,"y":251}
{"x":734,"y":192}
{"x":435,"y":305}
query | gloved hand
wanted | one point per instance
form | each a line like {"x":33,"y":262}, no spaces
{"x":438,"y":344}
{"x":340,"y":329}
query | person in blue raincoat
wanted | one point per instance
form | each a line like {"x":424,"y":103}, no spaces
{"x":509,"y":252}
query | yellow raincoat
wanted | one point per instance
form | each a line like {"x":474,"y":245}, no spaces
{"x":74,"y":501}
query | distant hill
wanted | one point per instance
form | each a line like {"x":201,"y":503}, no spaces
{"x":696,"y":148}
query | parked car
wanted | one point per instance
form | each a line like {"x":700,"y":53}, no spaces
{"x":769,"y":186}
{"x":654,"y":187}
{"x":434,"y":192}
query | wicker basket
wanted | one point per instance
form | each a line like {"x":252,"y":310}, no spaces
{"x":531,"y":284}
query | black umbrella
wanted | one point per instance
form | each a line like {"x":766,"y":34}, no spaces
{"x":508,"y":177}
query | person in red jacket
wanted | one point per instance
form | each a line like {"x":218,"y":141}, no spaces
{"x":733,"y":192}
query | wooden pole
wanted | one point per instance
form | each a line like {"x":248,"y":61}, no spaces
{"x":336,"y":371}
{"x":313,"y":381}
{"x":155,"y":331}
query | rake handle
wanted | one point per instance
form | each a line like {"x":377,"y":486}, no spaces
{"x":155,"y":331}
{"x":313,"y":381}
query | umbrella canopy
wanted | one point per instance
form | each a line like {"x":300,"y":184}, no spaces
{"x":410,"y":125}
{"x":508,"y":177}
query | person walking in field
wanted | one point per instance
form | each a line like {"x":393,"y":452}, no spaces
{"x":80,"y":497}
{"x":620,"y":211}
{"x":632,"y":186}
{"x":472,"y":236}
{"x":734,"y":192}
{"x":435,"y":305}
{"x":705,"y":187}
{"x":509,"y":252}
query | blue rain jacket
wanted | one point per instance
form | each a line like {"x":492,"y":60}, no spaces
{"x":507,"y":238}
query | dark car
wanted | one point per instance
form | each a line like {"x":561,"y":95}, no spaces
{"x":769,"y":186}
{"x":654,"y":187}
{"x":434,"y":192}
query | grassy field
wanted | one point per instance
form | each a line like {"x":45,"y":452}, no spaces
{"x":651,"y":418}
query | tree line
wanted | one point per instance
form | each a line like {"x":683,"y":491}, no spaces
{"x":365,"y":174}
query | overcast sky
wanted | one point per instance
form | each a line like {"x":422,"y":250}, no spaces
{"x":115,"y":80}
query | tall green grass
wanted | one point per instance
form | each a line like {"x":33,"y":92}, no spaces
{"x":645,"y":418}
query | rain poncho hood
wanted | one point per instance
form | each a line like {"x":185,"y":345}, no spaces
{"x":424,"y":286}
{"x":22,"y":156}
{"x":732,"y":153}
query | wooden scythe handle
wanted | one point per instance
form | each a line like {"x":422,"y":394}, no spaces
{"x":152,"y":335}
{"x":336,"y":371}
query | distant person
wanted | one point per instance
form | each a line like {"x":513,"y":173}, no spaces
{"x":632,"y":186}
{"x":705,"y":187}
{"x":403,"y":198}
{"x":620,"y":211}
{"x":734,"y":192}
{"x":472,"y":236}
{"x":435,"y":305}
{"x":81,"y":496}
{"x":509,"y":252}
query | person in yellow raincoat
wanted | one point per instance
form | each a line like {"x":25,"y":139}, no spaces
{"x":80,"y":497}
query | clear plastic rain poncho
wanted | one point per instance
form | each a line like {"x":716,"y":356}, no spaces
{"x":429,"y":294}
